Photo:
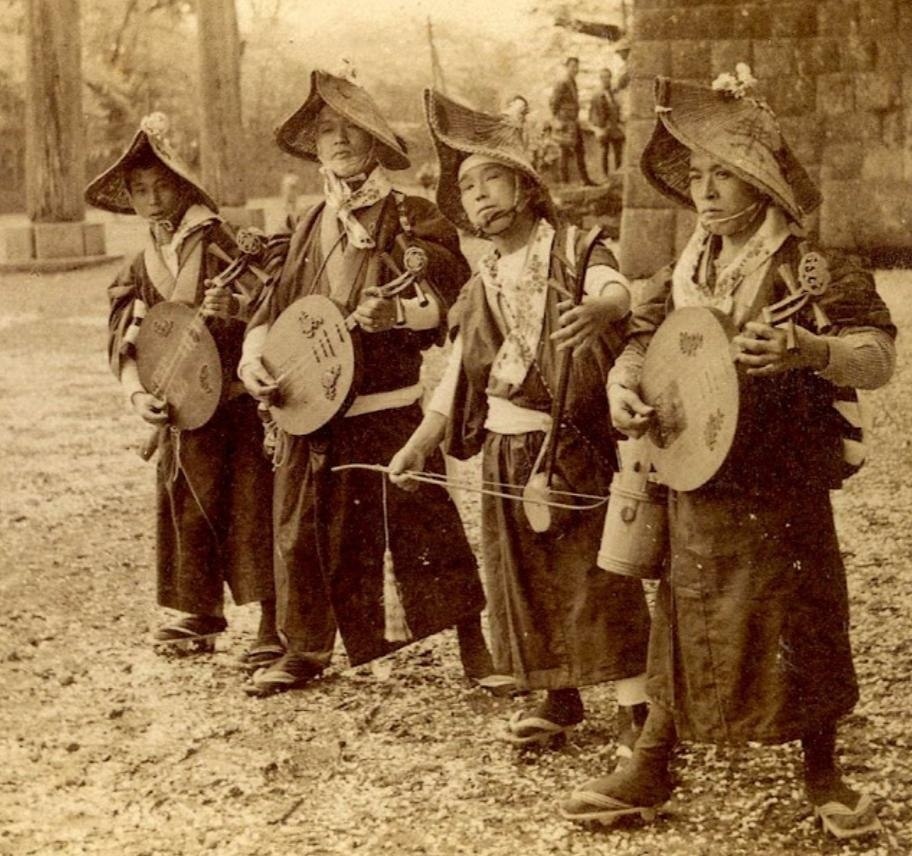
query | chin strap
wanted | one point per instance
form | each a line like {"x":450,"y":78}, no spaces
{"x":753,"y":209}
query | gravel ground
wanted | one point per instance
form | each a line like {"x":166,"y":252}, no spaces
{"x":108,"y":748}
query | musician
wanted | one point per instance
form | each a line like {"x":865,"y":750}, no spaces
{"x":212,"y":482}
{"x":331,"y":527}
{"x":750,"y":635}
{"x":557,"y":622}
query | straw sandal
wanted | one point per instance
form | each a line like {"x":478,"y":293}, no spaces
{"x":842,"y":822}
{"x":260,"y":656}
{"x":524,"y":729}
{"x":592,"y":807}
{"x":289,"y":672}
{"x":193,"y":634}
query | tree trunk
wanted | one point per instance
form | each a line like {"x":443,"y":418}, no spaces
{"x":222,"y":142}
{"x":54,"y":132}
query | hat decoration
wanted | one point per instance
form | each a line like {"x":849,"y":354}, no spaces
{"x":460,"y":132}
{"x":109,"y":190}
{"x":731,"y":124}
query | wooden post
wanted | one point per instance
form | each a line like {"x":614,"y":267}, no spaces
{"x":54,"y":133}
{"x":221,"y":140}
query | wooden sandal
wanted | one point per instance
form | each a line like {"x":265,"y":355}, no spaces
{"x":842,"y":822}
{"x":193,"y":634}
{"x":593,"y":807}
{"x":261,"y":656}
{"x":524,"y":729}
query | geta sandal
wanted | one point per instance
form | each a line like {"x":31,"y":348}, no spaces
{"x":193,"y":634}
{"x":524,"y":729}
{"x":593,"y":807}
{"x":842,"y":822}
{"x":289,"y":672}
{"x":261,"y":656}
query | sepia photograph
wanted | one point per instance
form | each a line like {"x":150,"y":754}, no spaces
{"x":445,"y":428}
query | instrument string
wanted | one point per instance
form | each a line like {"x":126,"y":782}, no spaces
{"x":488,"y":488}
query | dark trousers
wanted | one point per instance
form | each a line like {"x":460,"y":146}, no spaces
{"x":578,"y":150}
{"x":615,"y":144}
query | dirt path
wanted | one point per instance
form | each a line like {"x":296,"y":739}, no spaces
{"x":107,"y":748}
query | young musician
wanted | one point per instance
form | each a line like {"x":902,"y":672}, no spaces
{"x":750,"y":640}
{"x":333,"y":528}
{"x":213,"y":482}
{"x":558,"y":623}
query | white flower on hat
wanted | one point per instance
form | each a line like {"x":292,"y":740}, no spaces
{"x":155,"y":124}
{"x":735,"y":85}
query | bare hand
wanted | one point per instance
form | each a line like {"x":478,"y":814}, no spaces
{"x":219,"y":301}
{"x":375,"y":313}
{"x":152,"y":409}
{"x":763,"y":349}
{"x":407,"y":459}
{"x":581,"y":325}
{"x":258,"y":381}
{"x":629,"y":413}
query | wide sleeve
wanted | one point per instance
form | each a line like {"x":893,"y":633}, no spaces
{"x":861,"y":334}
{"x":648,"y":313}
{"x":126,"y":310}
{"x":447,"y":269}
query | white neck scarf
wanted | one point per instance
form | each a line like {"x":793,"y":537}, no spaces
{"x":522,"y":300}
{"x":738,"y":283}
{"x":344,"y":200}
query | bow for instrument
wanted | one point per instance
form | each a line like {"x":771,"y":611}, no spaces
{"x":539,"y":490}
{"x":191,"y":345}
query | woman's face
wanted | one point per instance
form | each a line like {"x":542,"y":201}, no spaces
{"x":489,"y":194}
{"x":342,"y":147}
{"x":725,"y":203}
{"x":155,"y":192}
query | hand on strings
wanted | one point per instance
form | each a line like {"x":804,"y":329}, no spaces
{"x":152,"y":409}
{"x":408,"y":459}
{"x":375,"y":313}
{"x":258,"y":381}
{"x":764,"y":350}
{"x":220,"y":302}
{"x":581,"y":325}
{"x":629,"y":413}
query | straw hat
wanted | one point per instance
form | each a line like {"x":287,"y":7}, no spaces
{"x":459,"y":131}
{"x":297,"y":134}
{"x":109,"y":190}
{"x":731,"y":125}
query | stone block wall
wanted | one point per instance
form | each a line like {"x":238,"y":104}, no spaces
{"x":839,"y":75}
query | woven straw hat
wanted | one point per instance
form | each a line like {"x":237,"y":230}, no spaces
{"x":459,"y":131}
{"x":297,"y":134}
{"x":728,"y":124}
{"x":109,"y":190}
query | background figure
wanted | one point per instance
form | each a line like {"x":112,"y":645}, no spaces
{"x":565,"y":106}
{"x":517,"y":111}
{"x":290,"y":194}
{"x":605,"y":117}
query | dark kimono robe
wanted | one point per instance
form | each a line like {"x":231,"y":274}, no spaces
{"x":750,"y":637}
{"x":214,"y":484}
{"x":329,"y":527}
{"x":556,"y":619}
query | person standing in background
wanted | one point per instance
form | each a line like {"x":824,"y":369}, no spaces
{"x":565,"y":107}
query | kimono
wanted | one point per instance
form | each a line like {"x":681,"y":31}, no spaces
{"x":331,"y":528}
{"x":556,"y":619}
{"x":213,"y":483}
{"x":750,"y":638}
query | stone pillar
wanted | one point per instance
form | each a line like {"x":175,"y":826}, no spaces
{"x":839,"y":75}
{"x":222,"y":130}
{"x":57,"y":235}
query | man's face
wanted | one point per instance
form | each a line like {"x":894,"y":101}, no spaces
{"x":155,"y":192}
{"x":572,"y":68}
{"x":488,"y":192}
{"x":342,"y":147}
{"x":517,"y":110}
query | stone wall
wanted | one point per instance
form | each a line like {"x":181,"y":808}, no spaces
{"x":839,"y":75}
